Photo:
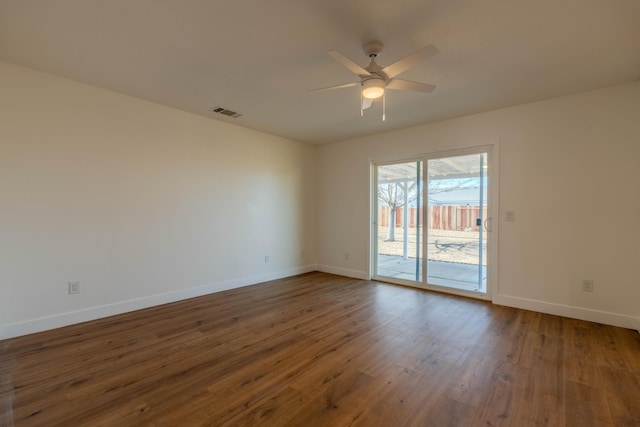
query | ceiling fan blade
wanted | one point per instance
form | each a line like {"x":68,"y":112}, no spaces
{"x":366,"y":103}
{"x":352,"y":66}
{"x":399,"y":84}
{"x":335,"y":87}
{"x":407,"y":62}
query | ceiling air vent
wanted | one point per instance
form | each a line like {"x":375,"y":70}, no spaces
{"x":225,"y":112}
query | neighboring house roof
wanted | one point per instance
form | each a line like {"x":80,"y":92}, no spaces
{"x":461,"y":197}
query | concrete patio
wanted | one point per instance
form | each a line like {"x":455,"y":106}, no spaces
{"x":440,"y":273}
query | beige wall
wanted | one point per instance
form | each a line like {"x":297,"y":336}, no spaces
{"x":568,"y":168}
{"x":144,"y":204}
{"x":141,"y":203}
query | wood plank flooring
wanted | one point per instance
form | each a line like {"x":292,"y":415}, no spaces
{"x":324,"y":350}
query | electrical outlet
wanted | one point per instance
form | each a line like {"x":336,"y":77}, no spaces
{"x":267,"y":258}
{"x":346,"y":256}
{"x":74,"y":288}
{"x":510,"y":216}
{"x":587,"y":285}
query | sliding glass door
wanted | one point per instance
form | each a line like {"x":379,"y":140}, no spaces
{"x":432,"y":220}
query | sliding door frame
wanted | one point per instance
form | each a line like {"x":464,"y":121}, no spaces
{"x":492,"y":174}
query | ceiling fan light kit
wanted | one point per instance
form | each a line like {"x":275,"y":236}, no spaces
{"x":374,"y":79}
{"x":373,"y":88}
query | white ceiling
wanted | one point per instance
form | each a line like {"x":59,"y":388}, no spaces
{"x":261,"y":57}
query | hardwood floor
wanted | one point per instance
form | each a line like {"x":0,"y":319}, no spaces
{"x":323,"y":350}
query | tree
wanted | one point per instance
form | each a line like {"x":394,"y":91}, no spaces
{"x":395,"y":194}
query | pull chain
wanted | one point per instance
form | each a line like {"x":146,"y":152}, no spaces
{"x":361,"y":102}
{"x":384,"y":105}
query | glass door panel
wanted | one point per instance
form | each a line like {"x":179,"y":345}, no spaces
{"x":398,"y":227}
{"x":456,"y":238}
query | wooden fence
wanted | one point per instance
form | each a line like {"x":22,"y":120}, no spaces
{"x":459,"y":218}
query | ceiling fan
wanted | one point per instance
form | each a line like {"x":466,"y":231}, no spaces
{"x":375,"y":80}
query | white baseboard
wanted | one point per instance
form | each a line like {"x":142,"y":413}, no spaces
{"x":581,"y":313}
{"x":356,"y":274}
{"x":98,"y":312}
